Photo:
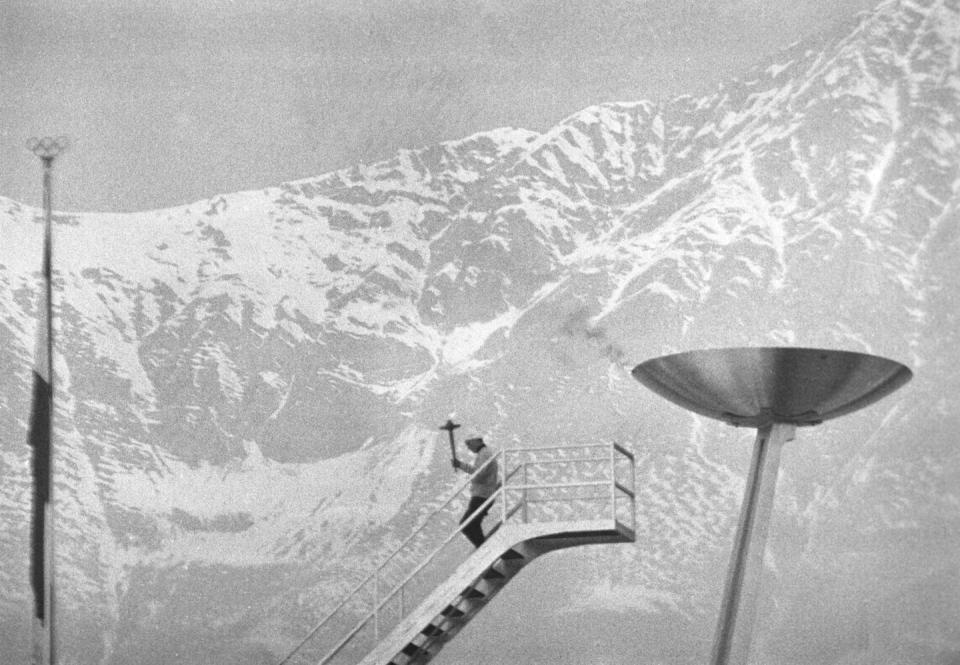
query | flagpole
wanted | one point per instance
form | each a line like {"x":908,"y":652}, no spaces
{"x":40,"y":432}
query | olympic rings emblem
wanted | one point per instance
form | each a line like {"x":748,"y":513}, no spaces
{"x":47,"y":147}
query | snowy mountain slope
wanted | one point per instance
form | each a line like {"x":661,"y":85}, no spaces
{"x":249,"y":386}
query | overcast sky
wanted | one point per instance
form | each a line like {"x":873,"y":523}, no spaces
{"x":172,"y":101}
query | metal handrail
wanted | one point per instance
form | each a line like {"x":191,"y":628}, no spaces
{"x":566,"y":460}
{"x":624,"y":451}
{"x":423,"y":564}
{"x":508,"y":476}
{"x":629,"y":492}
{"x":423,"y":525}
{"x":486,"y":504}
{"x":567,"y":447}
{"x":372,"y":576}
{"x":550,"y":486}
{"x":381,"y":600}
{"x":489,"y":502}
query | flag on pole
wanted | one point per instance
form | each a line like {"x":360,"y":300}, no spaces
{"x":39,"y":437}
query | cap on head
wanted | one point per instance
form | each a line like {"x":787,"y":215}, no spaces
{"x":474,"y":443}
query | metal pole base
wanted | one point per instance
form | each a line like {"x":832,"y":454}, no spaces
{"x":731,"y":642}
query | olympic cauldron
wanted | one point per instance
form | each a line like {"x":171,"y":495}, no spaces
{"x":773,"y":389}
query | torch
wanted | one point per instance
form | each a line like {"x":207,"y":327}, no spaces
{"x":450,"y":426}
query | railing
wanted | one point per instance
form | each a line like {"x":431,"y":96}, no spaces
{"x":537,"y":485}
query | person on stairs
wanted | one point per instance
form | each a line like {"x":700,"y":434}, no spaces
{"x":482,"y":487}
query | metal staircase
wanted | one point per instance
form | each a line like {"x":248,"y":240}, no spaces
{"x":420,"y":597}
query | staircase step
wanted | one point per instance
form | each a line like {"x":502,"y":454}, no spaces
{"x":452,"y":612}
{"x":493,"y":574}
{"x":511,"y":554}
{"x":412,"y":650}
{"x":473,"y":592}
{"x":432,"y":630}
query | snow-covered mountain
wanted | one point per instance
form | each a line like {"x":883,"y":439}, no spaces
{"x":249,"y":387}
